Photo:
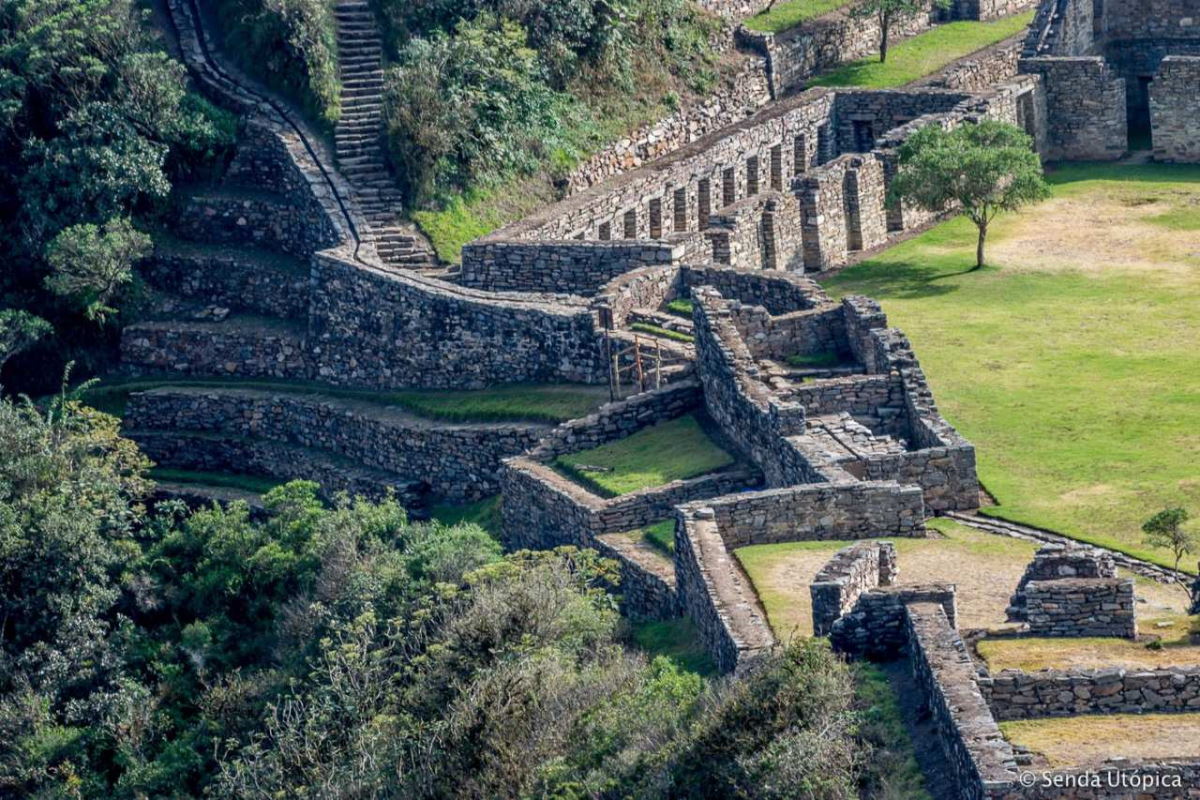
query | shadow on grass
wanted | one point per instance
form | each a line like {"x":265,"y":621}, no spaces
{"x":904,"y":280}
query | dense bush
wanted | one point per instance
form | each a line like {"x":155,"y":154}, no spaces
{"x":291,"y":45}
{"x":343,"y":651}
{"x":484,"y":89}
{"x":95,"y":123}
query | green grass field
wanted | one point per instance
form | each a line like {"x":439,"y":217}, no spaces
{"x":551,"y":403}
{"x":790,"y":14}
{"x":661,"y":536}
{"x":924,"y":54}
{"x":677,"y":639}
{"x":669,"y":451}
{"x":484,"y":513}
{"x":1071,"y":363}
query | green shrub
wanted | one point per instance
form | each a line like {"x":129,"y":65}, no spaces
{"x":292,"y":46}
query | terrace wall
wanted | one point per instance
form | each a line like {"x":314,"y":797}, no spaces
{"x":1081,"y":607}
{"x":875,"y":627}
{"x":1175,"y":109}
{"x":1013,"y":694}
{"x":851,"y":572}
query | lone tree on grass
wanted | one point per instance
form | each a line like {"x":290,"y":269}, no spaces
{"x":886,"y":12}
{"x":985,"y":168}
{"x":1166,"y":530}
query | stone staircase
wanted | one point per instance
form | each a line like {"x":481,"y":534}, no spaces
{"x":359,"y":140}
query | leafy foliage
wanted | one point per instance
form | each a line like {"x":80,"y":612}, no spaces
{"x":90,"y":264}
{"x":885,"y":13}
{"x":986,"y":168}
{"x":344,"y":651}
{"x":1168,"y":529}
{"x":291,"y":45}
{"x":95,"y":122}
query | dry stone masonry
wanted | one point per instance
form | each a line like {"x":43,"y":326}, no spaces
{"x":1074,"y":591}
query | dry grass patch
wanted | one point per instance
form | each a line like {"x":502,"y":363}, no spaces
{"x":1090,"y":740}
{"x":986,"y":569}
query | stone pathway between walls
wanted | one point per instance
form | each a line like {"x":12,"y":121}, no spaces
{"x":359,"y":139}
{"x":927,"y":745}
{"x":1017,"y":531}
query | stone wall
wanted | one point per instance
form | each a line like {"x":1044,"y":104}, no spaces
{"x":1086,"y":108}
{"x":819,"y":512}
{"x":231,"y":279}
{"x":777,"y":292}
{"x":875,"y":627}
{"x":818,"y":45}
{"x":981,"y":761}
{"x":1081,"y":607}
{"x":1057,"y":561}
{"x":243,"y":216}
{"x":1175,"y":110}
{"x":460,"y":462}
{"x":716,"y":594}
{"x":1013,"y":694}
{"x":854,"y":570}
{"x":981,"y":71}
{"x":231,"y":454}
{"x":567,"y":267}
{"x":370,"y":327}
{"x":224,"y":349}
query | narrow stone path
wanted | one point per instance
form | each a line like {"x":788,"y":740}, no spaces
{"x":359,"y":139}
{"x":927,"y":747}
{"x":1017,"y":531}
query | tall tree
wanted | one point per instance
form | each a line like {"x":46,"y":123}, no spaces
{"x":886,"y":12}
{"x":984,"y":168}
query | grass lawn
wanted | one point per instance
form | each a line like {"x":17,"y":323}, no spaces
{"x":1091,"y":739}
{"x":226,"y":480}
{"x":681,"y":307}
{"x":657,"y":330}
{"x":550,"y":403}
{"x":985,"y":567}
{"x":677,"y":639}
{"x":484,"y":513}
{"x":893,"y":771}
{"x":1072,"y":363}
{"x":660,"y":536}
{"x":791,"y":13}
{"x":669,"y":451}
{"x":924,"y":54}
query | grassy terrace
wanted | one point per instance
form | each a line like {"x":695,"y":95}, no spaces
{"x":548,"y":403}
{"x":1070,"y":363}
{"x":674,"y":450}
{"x":225,"y":480}
{"x":924,"y":54}
{"x":790,"y":14}
{"x":1178,"y":645}
{"x":1090,"y":740}
{"x":985,"y":567}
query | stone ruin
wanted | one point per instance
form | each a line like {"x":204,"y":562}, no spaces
{"x":1118,"y":74}
{"x":1073,"y":590}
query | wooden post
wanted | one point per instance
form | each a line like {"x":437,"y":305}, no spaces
{"x":657,"y":364}
{"x":637,"y":360}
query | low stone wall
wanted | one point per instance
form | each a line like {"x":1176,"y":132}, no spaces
{"x":813,"y":332}
{"x":875,"y":627}
{"x":777,"y":291}
{"x":1174,"y":109}
{"x":821,"y":44}
{"x":1057,"y":561}
{"x":619,"y":419}
{"x":820,"y":512}
{"x":854,"y":570}
{"x":235,"y":215}
{"x":217,"y":453}
{"x":716,"y":594}
{"x":1013,"y":694}
{"x":374,"y":328}
{"x":460,"y":462}
{"x":217,"y":349}
{"x":1081,"y":607}
{"x":566,"y":267}
{"x":740,"y":96}
{"x":983,"y":70}
{"x":981,"y":761}
{"x":226,"y":279}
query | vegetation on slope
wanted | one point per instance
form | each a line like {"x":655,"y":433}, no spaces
{"x":344,"y":651}
{"x":925,"y":53}
{"x":291,"y":46}
{"x":669,"y":451}
{"x":782,"y":16}
{"x":1069,"y":362}
{"x":96,"y":124}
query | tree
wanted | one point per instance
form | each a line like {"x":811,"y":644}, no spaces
{"x":887,"y":11}
{"x":985,"y":168}
{"x":1167,"y":530}
{"x":18,"y":331}
{"x":90,"y":264}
